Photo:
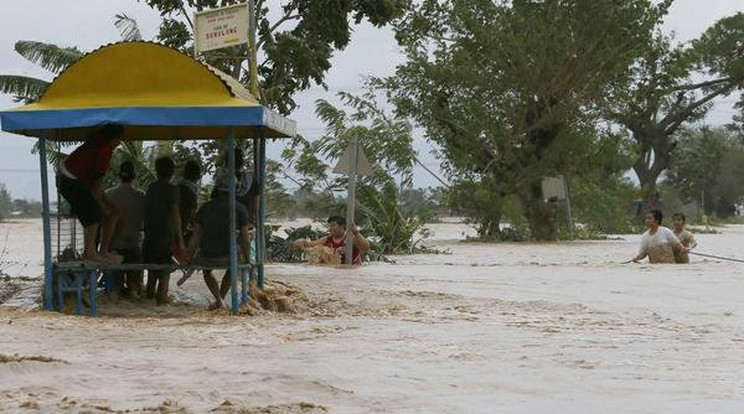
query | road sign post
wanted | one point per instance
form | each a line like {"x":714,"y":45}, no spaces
{"x":353,"y":163}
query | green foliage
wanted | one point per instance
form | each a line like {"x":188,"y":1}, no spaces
{"x":23,"y":88}
{"x":50,"y":57}
{"x":661,"y":97}
{"x":720,"y":50}
{"x":143,"y":159}
{"x":5,"y":202}
{"x":26,"y":209}
{"x":480,"y":204}
{"x":606,"y":206}
{"x":381,"y":212}
{"x":297,"y":39}
{"x":506,"y":89}
{"x":386,"y":140}
{"x":278,"y":201}
{"x":426,"y":204}
{"x":128,"y":27}
{"x":707,"y":170}
{"x":279,"y":249}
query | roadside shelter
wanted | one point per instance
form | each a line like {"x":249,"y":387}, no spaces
{"x":157,"y":94}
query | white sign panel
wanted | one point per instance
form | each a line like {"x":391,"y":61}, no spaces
{"x":363,"y":166}
{"x":554,"y":188}
{"x":223,"y":27}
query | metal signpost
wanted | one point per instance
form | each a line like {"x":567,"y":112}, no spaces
{"x":353,"y":163}
{"x":556,"y":188}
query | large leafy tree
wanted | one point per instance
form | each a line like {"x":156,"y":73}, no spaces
{"x":674,"y":85}
{"x":508,"y":88}
{"x":296,"y":39}
{"x":707,"y":169}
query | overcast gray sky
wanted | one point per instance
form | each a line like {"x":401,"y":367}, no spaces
{"x":88,"y":24}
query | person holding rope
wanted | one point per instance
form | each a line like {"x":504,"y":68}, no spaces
{"x":658,"y":242}
{"x":685,"y":237}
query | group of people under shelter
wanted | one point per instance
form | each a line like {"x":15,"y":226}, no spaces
{"x":165,"y":224}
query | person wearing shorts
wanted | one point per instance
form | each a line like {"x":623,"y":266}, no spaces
{"x":212,"y":237}
{"x":127,"y":240}
{"x":79,"y":181}
{"x":162,"y":229}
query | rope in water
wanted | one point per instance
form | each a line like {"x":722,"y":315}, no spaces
{"x":717,"y":257}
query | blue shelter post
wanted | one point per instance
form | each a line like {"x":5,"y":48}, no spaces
{"x":233,"y":226}
{"x":46,"y":223}
{"x":260,"y":236}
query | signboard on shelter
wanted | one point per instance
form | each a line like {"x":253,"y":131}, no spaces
{"x":223,"y":27}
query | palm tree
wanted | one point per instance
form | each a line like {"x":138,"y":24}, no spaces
{"x":55,"y":59}
{"x":51,"y":57}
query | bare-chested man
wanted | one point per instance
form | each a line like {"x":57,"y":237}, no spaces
{"x":685,"y":237}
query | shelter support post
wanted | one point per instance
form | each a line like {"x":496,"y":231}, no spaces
{"x":233,"y":226}
{"x":47,"y":226}
{"x":260,"y":233}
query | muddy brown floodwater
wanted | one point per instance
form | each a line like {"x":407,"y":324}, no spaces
{"x":508,"y":328}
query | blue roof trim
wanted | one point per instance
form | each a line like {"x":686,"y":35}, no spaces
{"x":249,"y":116}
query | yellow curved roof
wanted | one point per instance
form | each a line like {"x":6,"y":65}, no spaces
{"x":138,"y":74}
{"x":155,"y":92}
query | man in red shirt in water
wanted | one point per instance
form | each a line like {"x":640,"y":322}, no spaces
{"x":79,"y":182}
{"x":336,"y":240}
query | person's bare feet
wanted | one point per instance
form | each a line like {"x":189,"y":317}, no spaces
{"x":217,"y":305}
{"x":167,"y":301}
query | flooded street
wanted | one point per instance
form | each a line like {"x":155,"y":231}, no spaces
{"x":508,"y":328}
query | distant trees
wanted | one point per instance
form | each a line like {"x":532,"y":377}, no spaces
{"x":10,"y":207}
{"x":707,"y":168}
{"x":510,"y":90}
{"x":673,"y":85}
{"x":5,"y":202}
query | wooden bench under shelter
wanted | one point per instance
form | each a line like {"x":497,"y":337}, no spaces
{"x":157,"y":94}
{"x":80,"y":276}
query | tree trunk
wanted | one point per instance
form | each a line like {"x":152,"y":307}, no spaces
{"x":490,"y":227}
{"x":540,"y":215}
{"x":648,"y":169}
{"x":489,"y":221}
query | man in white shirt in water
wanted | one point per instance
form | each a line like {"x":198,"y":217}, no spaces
{"x":658,"y":242}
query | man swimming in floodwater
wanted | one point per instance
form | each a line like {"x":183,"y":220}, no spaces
{"x":685,"y":237}
{"x":658,"y":242}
